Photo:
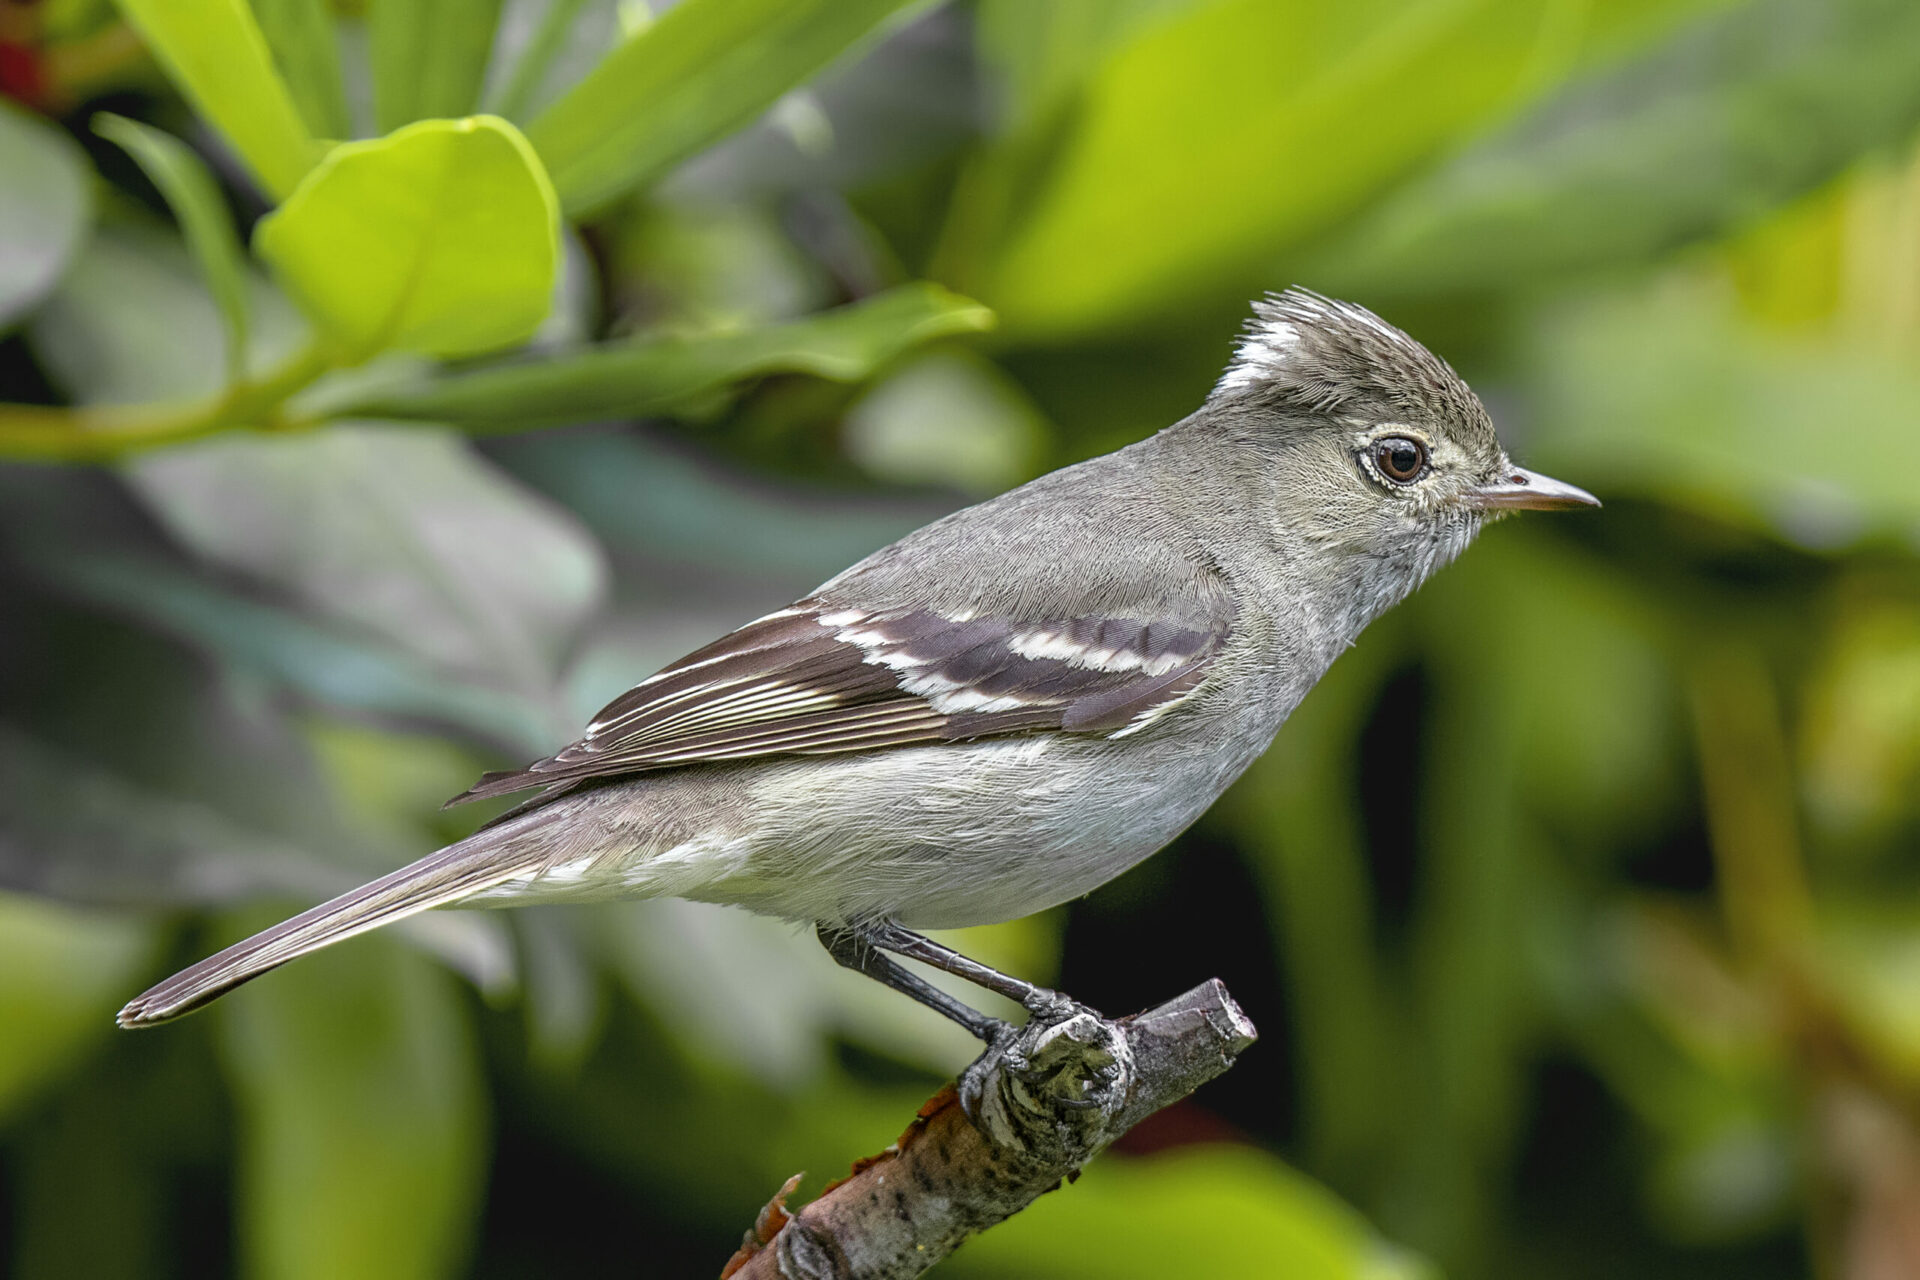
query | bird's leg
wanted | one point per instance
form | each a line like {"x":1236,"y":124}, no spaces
{"x":858,"y":947}
{"x":851,"y":948}
{"x":1038,"y":1001}
{"x":1004,"y":1051}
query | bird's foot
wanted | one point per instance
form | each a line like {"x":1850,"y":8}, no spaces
{"x":1067,"y":1062}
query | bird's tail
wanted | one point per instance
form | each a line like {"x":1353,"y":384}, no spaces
{"x":460,"y":870}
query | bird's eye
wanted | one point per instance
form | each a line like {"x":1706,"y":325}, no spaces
{"x":1399,"y":458}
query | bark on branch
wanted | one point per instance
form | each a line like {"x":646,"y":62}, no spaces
{"x":1049,"y":1102}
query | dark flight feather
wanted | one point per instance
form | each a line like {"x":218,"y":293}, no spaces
{"x":816,"y":679}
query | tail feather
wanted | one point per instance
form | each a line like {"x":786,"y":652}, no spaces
{"x":458,"y":871}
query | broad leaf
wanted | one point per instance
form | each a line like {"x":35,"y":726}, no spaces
{"x":1045,"y":52}
{"x":193,"y":791}
{"x":77,"y":830}
{"x":949,"y":419}
{"x":1670,"y":393}
{"x":442,"y":238}
{"x":649,"y":500}
{"x":215,"y":53}
{"x":760,"y":997}
{"x":1229,"y":131}
{"x":630,"y":379}
{"x":362,"y":1117}
{"x":44,"y":206}
{"x":429,"y":57}
{"x":1199,"y":1211}
{"x":401,"y":530}
{"x":301,"y":35}
{"x":1746,"y":110}
{"x":704,"y":69}
{"x":325,"y":663}
{"x":133,"y":323}
{"x":196,"y":202}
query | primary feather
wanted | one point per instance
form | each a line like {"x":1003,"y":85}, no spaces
{"x":454,"y":873}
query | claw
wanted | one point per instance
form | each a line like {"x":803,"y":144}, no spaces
{"x":972,"y":1085}
{"x":1052,"y":1006}
{"x":1030,"y":1058}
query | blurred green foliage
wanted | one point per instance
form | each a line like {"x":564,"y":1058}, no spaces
{"x":1580,"y":906}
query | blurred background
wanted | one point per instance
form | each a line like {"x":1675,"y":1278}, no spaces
{"x":1579,"y":906}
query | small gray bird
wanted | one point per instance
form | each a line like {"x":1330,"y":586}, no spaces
{"x":1010,"y":706}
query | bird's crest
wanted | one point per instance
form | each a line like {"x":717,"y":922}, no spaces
{"x":1323,"y":354}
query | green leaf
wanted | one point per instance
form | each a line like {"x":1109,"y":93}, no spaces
{"x":1222,"y":135}
{"x":178,"y":809}
{"x":706,"y":68}
{"x":86,"y":833}
{"x":401,"y":531}
{"x":1044,"y":52}
{"x":644,"y":496}
{"x":1196,"y":1211}
{"x":429,"y":57}
{"x":300,"y":33}
{"x":398,"y":532}
{"x":845,"y":344}
{"x":326,"y":663}
{"x":196,"y":202}
{"x":1670,"y":393}
{"x":214,"y":51}
{"x":45,"y":203}
{"x":442,"y":238}
{"x":362,"y":1117}
{"x":132,"y":323}
{"x":91,"y":835}
{"x":1744,"y":111}
{"x":61,"y":974}
{"x":947,"y":418}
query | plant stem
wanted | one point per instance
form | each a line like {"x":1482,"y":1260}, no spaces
{"x":100,"y":433}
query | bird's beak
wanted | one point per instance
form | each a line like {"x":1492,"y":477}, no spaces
{"x":1524,"y":490}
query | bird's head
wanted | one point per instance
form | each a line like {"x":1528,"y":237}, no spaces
{"x":1378,"y":445}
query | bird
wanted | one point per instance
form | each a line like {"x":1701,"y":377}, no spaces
{"x":1010,"y":706}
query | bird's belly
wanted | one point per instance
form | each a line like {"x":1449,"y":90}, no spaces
{"x":937,"y":838}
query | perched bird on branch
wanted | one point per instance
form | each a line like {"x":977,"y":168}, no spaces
{"x":1011,"y":706}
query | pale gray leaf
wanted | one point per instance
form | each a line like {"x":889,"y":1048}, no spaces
{"x":44,"y":207}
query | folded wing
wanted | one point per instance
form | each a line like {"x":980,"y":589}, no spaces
{"x":818,"y":679}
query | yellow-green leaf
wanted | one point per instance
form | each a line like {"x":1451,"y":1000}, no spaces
{"x":429,"y":57}
{"x":629,"y":379}
{"x":1169,"y":1215}
{"x":1217,"y":135}
{"x":442,"y":238}
{"x":706,"y":68}
{"x":214,"y":51}
{"x":300,"y":34}
{"x":195,"y":199}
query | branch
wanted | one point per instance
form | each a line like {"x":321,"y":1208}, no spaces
{"x":1051,"y":1101}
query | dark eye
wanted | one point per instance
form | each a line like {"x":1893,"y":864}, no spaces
{"x":1399,"y":458}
